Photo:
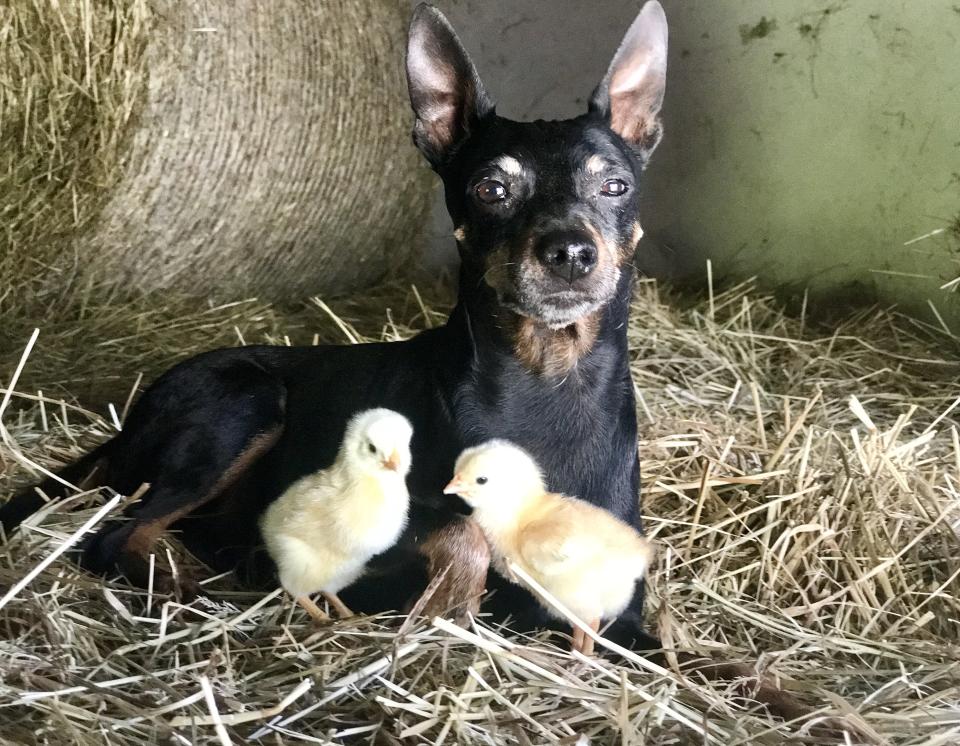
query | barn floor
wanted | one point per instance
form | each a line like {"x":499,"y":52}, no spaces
{"x":802,"y":487}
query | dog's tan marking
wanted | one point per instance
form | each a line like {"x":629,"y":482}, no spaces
{"x":595,"y":164}
{"x":605,"y":250}
{"x":135,"y":555}
{"x":497,"y":263}
{"x":460,"y":549}
{"x":629,"y":248}
{"x":509,"y":165}
{"x":553,"y":352}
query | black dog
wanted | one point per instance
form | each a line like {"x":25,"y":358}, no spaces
{"x":545,"y":217}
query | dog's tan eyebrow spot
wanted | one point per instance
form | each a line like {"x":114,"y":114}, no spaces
{"x":509,"y":165}
{"x":595,"y":164}
{"x":460,"y":234}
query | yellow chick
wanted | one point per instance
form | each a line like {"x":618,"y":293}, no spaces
{"x":582,"y":554}
{"x":324,"y":529}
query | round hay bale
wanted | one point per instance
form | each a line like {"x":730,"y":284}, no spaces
{"x":216,"y":147}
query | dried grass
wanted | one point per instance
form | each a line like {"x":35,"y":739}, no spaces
{"x":802,"y":488}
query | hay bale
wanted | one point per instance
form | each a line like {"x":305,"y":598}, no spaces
{"x":212,"y":147}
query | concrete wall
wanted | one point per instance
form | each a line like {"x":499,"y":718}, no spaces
{"x":807,"y":141}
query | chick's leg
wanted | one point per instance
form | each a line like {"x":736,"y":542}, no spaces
{"x":312,"y":609}
{"x":582,"y":642}
{"x":577,"y":642}
{"x":343,"y":611}
{"x":587,"y":648}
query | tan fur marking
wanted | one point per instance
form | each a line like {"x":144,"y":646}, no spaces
{"x":510,"y":165}
{"x":747,"y":681}
{"x":606,"y":249}
{"x":629,"y":249}
{"x":140,"y":543}
{"x":553,"y":352}
{"x":460,"y":548}
{"x":497,"y":263}
{"x":595,"y":164}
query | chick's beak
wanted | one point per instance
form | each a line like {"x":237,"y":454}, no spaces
{"x":456,"y":486}
{"x":393,"y":462}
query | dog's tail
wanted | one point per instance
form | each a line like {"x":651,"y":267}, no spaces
{"x":87,"y":472}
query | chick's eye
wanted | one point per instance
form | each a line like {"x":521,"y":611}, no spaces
{"x":371,"y":447}
{"x":614,"y":188}
{"x":491,"y":191}
{"x":481,"y":480}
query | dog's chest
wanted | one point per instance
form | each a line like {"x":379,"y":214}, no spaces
{"x":582,"y":432}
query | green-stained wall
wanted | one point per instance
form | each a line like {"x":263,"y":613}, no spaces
{"x":808,"y":142}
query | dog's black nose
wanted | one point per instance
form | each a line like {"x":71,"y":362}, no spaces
{"x":568,"y":255}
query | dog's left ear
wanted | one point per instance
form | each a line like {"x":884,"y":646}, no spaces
{"x":631,"y":93}
{"x":445,"y":91}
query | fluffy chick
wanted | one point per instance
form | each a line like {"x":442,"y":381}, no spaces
{"x":584,"y":556}
{"x":324,"y":529}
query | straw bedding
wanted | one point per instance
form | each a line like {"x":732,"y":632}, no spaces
{"x":801,"y":485}
{"x":213,"y":146}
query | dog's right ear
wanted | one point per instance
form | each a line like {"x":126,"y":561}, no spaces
{"x":631,"y":93}
{"x":445,"y":91}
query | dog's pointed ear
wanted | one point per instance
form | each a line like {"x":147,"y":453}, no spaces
{"x":445,"y":90}
{"x":631,"y":93}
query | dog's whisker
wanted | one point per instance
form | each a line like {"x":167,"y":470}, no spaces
{"x":491,"y":268}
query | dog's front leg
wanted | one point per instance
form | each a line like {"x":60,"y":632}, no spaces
{"x":458,"y":558}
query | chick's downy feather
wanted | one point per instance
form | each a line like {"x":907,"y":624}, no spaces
{"x":323,"y":530}
{"x":583,"y":555}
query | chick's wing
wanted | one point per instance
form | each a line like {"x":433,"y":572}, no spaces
{"x":559,"y":540}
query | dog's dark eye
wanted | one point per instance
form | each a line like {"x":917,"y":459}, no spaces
{"x":481,"y":480}
{"x":491,"y":191}
{"x":614,"y":188}
{"x":371,"y":447}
